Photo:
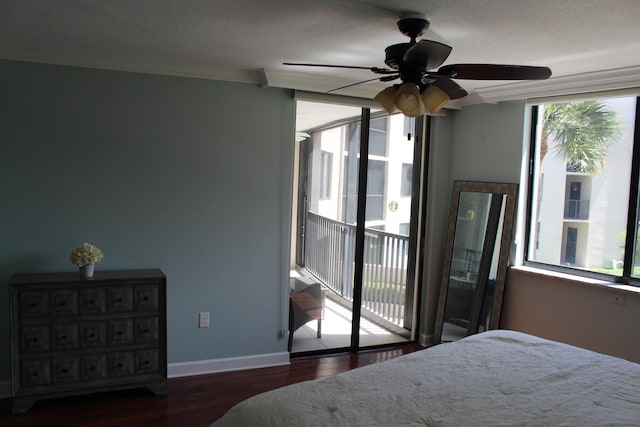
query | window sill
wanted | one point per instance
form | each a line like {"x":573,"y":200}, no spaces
{"x":580,"y":280}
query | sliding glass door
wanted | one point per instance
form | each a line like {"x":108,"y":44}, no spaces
{"x":357,"y":227}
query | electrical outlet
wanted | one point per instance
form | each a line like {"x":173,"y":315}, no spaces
{"x":617,"y":299}
{"x":203,"y":319}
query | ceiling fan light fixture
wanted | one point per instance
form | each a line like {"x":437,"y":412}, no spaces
{"x":434,"y":99}
{"x":386,"y":98}
{"x":417,"y":112}
{"x":408,"y":97}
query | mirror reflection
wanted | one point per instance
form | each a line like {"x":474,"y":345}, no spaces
{"x":480,"y":226}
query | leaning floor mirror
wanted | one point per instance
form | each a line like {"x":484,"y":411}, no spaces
{"x":480,"y":235}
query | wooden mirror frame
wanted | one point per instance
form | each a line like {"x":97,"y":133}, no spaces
{"x":509,"y":190}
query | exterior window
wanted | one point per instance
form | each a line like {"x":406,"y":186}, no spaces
{"x":375,"y":190}
{"x":378,"y":137}
{"x":583,"y":159}
{"x":405,"y":183}
{"x":326,"y":160}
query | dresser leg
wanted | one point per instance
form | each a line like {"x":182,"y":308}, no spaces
{"x":158,"y":389}
{"x":21,"y":405}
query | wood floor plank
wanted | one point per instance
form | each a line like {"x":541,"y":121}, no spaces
{"x":191,"y":401}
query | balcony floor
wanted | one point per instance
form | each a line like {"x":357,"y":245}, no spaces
{"x":336,"y":331}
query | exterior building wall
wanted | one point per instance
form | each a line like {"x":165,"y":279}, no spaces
{"x":606,"y":194}
{"x":399,"y":151}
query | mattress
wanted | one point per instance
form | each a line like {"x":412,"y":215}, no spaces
{"x":496,"y":378}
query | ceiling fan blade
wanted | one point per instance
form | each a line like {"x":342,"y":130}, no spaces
{"x":382,"y":79}
{"x":377,"y":70}
{"x":427,"y":54}
{"x":493,"y":72}
{"x":451,"y":88}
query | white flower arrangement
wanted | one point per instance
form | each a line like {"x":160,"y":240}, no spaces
{"x":86,"y":254}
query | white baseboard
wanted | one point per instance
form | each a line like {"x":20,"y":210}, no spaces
{"x":5,"y":389}
{"x":212,"y":366}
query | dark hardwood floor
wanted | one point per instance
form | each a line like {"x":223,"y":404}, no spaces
{"x":191,"y":401}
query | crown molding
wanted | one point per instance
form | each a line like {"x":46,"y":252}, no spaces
{"x":598,"y":81}
{"x":105,"y":62}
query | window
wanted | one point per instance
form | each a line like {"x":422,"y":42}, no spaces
{"x":378,"y":137}
{"x":375,"y":190}
{"x":405,"y":183}
{"x":584,"y":157}
{"x":326,"y":160}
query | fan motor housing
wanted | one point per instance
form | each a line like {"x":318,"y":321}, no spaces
{"x":395,"y":53}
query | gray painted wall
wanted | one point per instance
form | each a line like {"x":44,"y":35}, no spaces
{"x":486,"y":142}
{"x":190,"y":176}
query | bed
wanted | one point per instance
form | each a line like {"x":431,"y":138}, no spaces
{"x":496,"y":378}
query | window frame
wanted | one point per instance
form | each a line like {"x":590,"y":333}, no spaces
{"x":633,"y":209}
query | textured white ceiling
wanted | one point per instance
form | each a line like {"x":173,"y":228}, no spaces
{"x":233,"y":39}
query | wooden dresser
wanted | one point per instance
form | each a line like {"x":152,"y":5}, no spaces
{"x":73,"y":336}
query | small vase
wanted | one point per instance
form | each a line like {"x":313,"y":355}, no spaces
{"x":86,"y":271}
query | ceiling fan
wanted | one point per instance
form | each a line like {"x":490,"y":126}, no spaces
{"x":423,"y":88}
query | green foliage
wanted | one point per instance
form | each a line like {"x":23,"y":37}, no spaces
{"x":583,"y":132}
{"x":622,"y":238}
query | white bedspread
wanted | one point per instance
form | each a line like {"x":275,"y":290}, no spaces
{"x":497,"y":378}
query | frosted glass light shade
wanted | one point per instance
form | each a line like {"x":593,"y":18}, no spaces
{"x":387,"y":99}
{"x":434,"y":99}
{"x":417,"y":112}
{"x":408,"y":97}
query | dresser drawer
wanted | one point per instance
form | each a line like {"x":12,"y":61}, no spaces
{"x":93,"y":367}
{"x":92,"y":301}
{"x":64,"y":336}
{"x":119,"y":299}
{"x":120,"y":363}
{"x":66,"y":369}
{"x":147,"y":361}
{"x":35,"y":372}
{"x":145,"y":297}
{"x":120,"y":332}
{"x":93,"y":334}
{"x":147,"y":330}
{"x":33,"y":303}
{"x":64,"y":302}
{"x":35,"y":338}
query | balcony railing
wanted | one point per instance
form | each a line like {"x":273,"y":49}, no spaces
{"x":330,"y":253}
{"x":576,"y":209}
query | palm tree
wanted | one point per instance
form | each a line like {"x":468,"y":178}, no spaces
{"x":583,"y":132}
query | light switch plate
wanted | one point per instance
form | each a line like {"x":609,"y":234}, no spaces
{"x":203,"y":319}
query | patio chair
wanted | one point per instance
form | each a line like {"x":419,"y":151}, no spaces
{"x":306,"y":303}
